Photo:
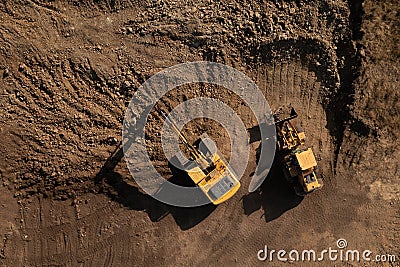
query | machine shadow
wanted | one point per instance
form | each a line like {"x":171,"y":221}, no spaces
{"x":117,"y":189}
{"x":275,"y":196}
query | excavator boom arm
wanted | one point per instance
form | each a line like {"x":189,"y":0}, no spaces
{"x":193,"y":151}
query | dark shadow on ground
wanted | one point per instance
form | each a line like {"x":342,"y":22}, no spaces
{"x":255,"y":134}
{"x":116,"y":188}
{"x":276,"y":195}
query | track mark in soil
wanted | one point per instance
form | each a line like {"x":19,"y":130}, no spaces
{"x":311,"y":113}
{"x":307,"y":89}
{"x":51,"y":233}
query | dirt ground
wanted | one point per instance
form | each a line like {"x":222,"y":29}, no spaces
{"x":69,"y":68}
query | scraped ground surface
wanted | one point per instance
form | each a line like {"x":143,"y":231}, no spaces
{"x":68,"y":70}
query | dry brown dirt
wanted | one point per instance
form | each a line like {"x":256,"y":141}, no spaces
{"x":69,"y":68}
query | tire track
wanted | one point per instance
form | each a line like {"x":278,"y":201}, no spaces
{"x":303,"y":91}
{"x":57,"y":243}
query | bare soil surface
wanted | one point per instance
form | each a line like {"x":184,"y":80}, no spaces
{"x":69,"y":68}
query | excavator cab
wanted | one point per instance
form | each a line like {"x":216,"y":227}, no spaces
{"x":207,"y":168}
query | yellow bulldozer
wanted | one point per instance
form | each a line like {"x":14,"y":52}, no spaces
{"x":298,"y":161}
{"x":207,"y":168}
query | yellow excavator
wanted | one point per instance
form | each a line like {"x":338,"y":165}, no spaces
{"x":207,"y":167}
{"x":299,"y":164}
